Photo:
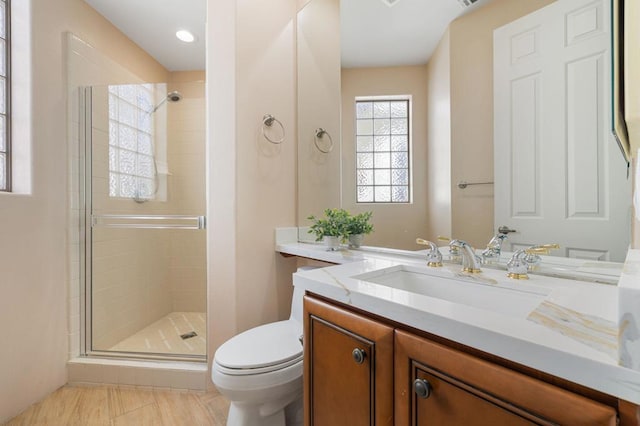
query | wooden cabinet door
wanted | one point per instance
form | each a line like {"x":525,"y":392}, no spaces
{"x":464,"y":390}
{"x":348,"y":370}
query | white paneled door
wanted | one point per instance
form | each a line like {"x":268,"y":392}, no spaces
{"x":559,"y":175}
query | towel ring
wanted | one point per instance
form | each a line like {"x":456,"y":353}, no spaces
{"x":267,"y":121}
{"x":320,"y":132}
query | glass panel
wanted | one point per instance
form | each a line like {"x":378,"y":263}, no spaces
{"x":382,"y":160}
{"x":364,"y":110}
{"x":3,"y":94}
{"x":364,"y":161}
{"x":145,"y":166}
{"x":364,"y":127}
{"x":144,"y":188}
{"x":365,"y":194}
{"x":127,"y":138}
{"x":381,"y":110}
{"x":400,"y":177}
{"x":113,"y":185}
{"x":383,"y":177}
{"x":383,"y":194}
{"x":127,"y":186}
{"x":365,"y":177}
{"x":3,"y":171}
{"x":126,"y":113}
{"x":364,"y":143}
{"x":144,"y":143}
{"x":399,"y":143}
{"x":3,"y":133}
{"x":113,"y":158}
{"x":144,"y":121}
{"x":3,"y":14}
{"x":381,"y":126}
{"x":113,"y":133}
{"x":399,"y":126}
{"x":126,"y":162}
{"x":400,"y":194}
{"x":382,"y":143}
{"x":3,"y":53}
{"x":128,"y":93}
{"x":113,"y":107}
{"x":399,"y":160}
{"x":399,"y":109}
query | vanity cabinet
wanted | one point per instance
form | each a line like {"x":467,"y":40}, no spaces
{"x":348,"y":370}
{"x":365,"y":371}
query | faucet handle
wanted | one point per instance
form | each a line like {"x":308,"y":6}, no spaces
{"x":533,"y":253}
{"x":434,"y":257}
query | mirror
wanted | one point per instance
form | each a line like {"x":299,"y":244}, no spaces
{"x":452,"y":136}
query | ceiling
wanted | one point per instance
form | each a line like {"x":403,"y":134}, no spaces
{"x":152,"y":25}
{"x":372,"y":32}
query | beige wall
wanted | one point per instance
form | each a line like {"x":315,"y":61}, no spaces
{"x":439,"y":141}
{"x":396,"y":225}
{"x":33,"y":227}
{"x":318,"y":73}
{"x":471,"y":47}
{"x":251,"y":72}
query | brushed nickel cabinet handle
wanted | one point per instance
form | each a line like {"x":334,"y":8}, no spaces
{"x":422,"y":388}
{"x":359,"y":355}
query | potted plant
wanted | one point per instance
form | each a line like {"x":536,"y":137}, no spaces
{"x":332,"y":228}
{"x":357,"y":227}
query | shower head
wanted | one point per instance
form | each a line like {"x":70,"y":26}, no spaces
{"x":174,"y":96}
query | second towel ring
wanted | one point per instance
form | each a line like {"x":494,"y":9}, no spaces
{"x":320,"y":132}
{"x":267,"y":121}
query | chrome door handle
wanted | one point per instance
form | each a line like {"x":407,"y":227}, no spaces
{"x":505,"y":230}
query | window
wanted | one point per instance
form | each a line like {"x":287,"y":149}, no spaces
{"x":132,"y":167}
{"x":382,"y":150}
{"x":5,"y":98}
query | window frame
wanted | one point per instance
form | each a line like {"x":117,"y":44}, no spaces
{"x":7,"y":99}
{"x":409,"y":148}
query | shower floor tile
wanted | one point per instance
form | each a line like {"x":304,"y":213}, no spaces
{"x":163,"y":336}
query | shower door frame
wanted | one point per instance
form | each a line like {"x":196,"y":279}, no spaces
{"x":86,"y":224}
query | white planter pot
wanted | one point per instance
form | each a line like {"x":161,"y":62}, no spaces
{"x":332,"y":243}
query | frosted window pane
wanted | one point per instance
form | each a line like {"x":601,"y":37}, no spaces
{"x":145,"y":166}
{"x":364,"y":127}
{"x":3,"y":135}
{"x":364,"y":161}
{"x":113,"y":133}
{"x":382,"y":194}
{"x":127,"y":186}
{"x":113,"y":185}
{"x":113,"y":89}
{"x":113,"y":159}
{"x":365,"y":177}
{"x":364,"y":143}
{"x":126,"y":113}
{"x":381,"y":126}
{"x":399,"y":143}
{"x":144,"y":188}
{"x":144,"y":121}
{"x":127,"y":162}
{"x":399,"y":160}
{"x":400,"y":194}
{"x":383,"y":177}
{"x":399,"y":126}
{"x":382,"y":143}
{"x":3,"y":168}
{"x":381,"y":110}
{"x":3,"y":69}
{"x":144,"y":143}
{"x":365,"y":194}
{"x":400,"y":177}
{"x":145,"y":99}
{"x":113,"y":107}
{"x":3,"y":12}
{"x":3,"y":94}
{"x":128,"y":93}
{"x":127,"y":138}
{"x":364,"y":110}
{"x":382,"y":160}
{"x":399,"y":109}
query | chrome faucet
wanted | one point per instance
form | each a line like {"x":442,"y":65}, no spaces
{"x":525,"y":260}
{"x":494,"y":248}
{"x":470,"y":262}
{"x":434,"y":257}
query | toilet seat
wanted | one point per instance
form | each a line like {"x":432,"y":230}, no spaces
{"x":263,"y":349}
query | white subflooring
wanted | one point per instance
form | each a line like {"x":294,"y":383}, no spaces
{"x":163,"y":336}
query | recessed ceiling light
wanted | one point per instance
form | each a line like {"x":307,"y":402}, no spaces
{"x":185,"y":36}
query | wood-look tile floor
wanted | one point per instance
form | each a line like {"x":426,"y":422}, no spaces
{"x":119,"y":406}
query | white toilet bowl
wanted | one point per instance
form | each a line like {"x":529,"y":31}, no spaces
{"x":260,"y":372}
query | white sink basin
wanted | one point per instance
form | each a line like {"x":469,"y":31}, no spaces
{"x":516,"y":299}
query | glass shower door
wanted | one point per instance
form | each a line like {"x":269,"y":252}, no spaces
{"x":145,"y":238}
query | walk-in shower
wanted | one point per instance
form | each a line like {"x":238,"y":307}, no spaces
{"x":143,"y":230}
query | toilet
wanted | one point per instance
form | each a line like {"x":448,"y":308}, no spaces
{"x":260,"y":372}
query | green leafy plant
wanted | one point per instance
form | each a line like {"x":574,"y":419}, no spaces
{"x":333,"y":224}
{"x":359,"y":224}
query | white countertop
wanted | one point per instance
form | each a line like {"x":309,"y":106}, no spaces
{"x":569,"y":344}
